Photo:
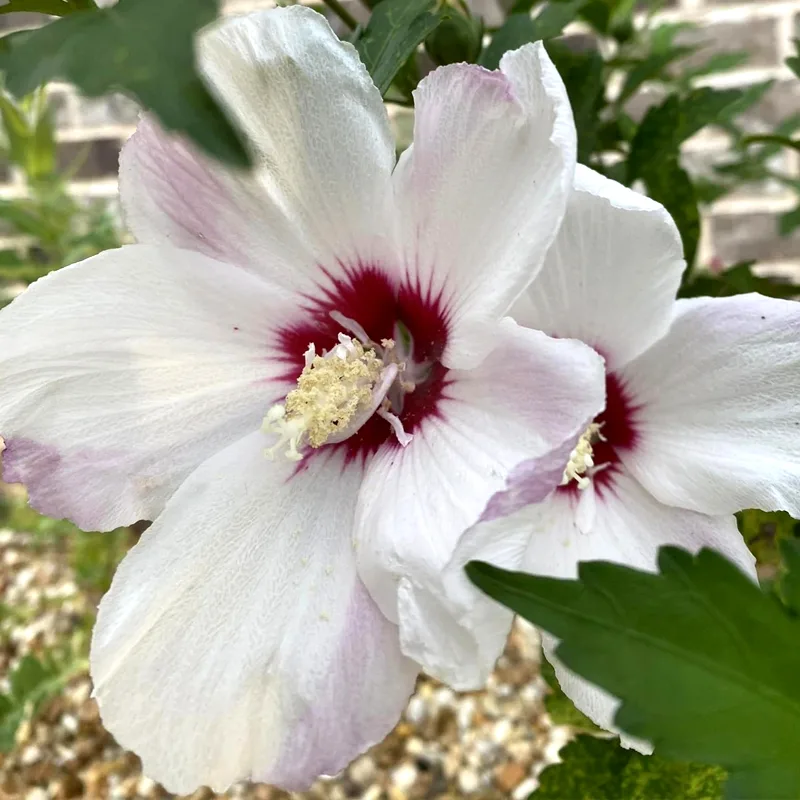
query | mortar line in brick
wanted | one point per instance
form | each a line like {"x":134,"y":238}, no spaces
{"x":729,"y":13}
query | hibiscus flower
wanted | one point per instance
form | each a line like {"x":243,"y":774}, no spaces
{"x":702,"y":419}
{"x":304,"y":376}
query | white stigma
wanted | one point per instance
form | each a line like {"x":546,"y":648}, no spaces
{"x":335,"y":396}
{"x":581,"y":459}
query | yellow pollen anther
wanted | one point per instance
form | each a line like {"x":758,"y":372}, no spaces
{"x":330,"y":391}
{"x":581,"y":459}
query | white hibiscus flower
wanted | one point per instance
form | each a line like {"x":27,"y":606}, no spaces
{"x":255,"y":630}
{"x":702,"y":419}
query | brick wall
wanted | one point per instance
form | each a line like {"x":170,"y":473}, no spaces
{"x":737,"y":227}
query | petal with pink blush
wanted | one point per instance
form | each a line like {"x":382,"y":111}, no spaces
{"x":483,"y":188}
{"x":611,"y":276}
{"x":321,"y":190}
{"x":718,"y":428}
{"x":122,"y":373}
{"x":238,"y":628}
{"x":629,"y":526}
{"x":530,"y":397}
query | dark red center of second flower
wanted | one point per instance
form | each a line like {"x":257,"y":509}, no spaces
{"x":366,"y":295}
{"x":617,"y":427}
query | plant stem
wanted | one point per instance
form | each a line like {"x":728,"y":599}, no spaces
{"x":341,"y":12}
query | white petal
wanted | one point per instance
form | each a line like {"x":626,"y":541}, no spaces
{"x":321,"y":191}
{"x":476,"y":626}
{"x":122,"y":373}
{"x":237,"y":641}
{"x":719,"y":423}
{"x":611,"y":276}
{"x":528,"y":398}
{"x":483,"y":188}
{"x":629,"y":527}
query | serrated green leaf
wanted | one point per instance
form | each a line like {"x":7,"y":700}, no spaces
{"x":394,"y":31}
{"x":594,"y":768}
{"x":789,"y":581}
{"x":142,"y":47}
{"x":704,"y":663}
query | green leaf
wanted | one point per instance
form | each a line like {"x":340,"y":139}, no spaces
{"x":516,"y":31}
{"x":394,"y":31}
{"x":740,"y":279}
{"x":142,"y":47}
{"x":789,"y":581}
{"x":719,"y":62}
{"x":520,"y":29}
{"x":704,"y":663}
{"x":655,"y":154}
{"x":794,"y":61}
{"x":554,"y":17}
{"x":16,"y":128}
{"x":583,"y":77}
{"x":703,"y":107}
{"x":56,"y":8}
{"x":649,"y":69}
{"x":789,"y":221}
{"x":594,"y":768}
{"x":29,"y":676}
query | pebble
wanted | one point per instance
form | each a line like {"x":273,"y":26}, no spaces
{"x":483,"y":745}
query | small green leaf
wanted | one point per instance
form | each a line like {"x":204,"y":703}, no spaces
{"x":394,"y":31}
{"x":520,"y":29}
{"x":516,"y":31}
{"x":142,"y":47}
{"x":789,"y":221}
{"x":555,"y":16}
{"x":649,"y":69}
{"x":789,"y":581}
{"x":594,"y":768}
{"x":705,"y":664}
{"x":794,"y":61}
{"x":583,"y":77}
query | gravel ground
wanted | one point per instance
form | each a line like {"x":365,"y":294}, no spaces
{"x":488,"y":744}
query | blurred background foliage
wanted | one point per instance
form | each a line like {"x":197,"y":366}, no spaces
{"x":618,"y":61}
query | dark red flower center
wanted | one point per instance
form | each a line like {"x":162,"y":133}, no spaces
{"x":366,"y":295}
{"x":616,"y":432}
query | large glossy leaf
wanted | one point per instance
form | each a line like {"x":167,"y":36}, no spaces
{"x":142,"y":47}
{"x":705,"y":664}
